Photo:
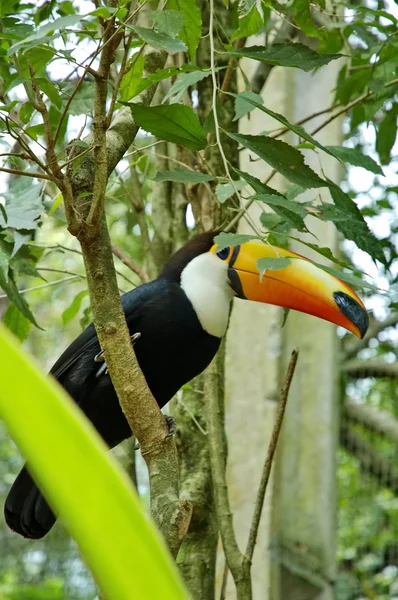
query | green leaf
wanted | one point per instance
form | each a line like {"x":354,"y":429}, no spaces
{"x":248,"y":98}
{"x":183,"y":176}
{"x":35,"y":131}
{"x":279,"y":203}
{"x":271,"y":264}
{"x":16,"y":322}
{"x":174,"y":123}
{"x":167,"y":21}
{"x":257,"y":185}
{"x":386,"y":136}
{"x":348,"y":278}
{"x":326,"y":252}
{"x":83,"y":100}
{"x":5,"y":256}
{"x":160,"y":75}
{"x":243,"y":105}
{"x":226,"y":190}
{"x":248,"y":25}
{"x":354,"y":226}
{"x":162,"y":41}
{"x":7,"y":283}
{"x":42,"y":31}
{"x":26,"y":112}
{"x":192,"y":29}
{"x":303,"y":19}
{"x":46,"y":86}
{"x":223,"y":240}
{"x":292,"y":212}
{"x":270,"y":220}
{"x":132,"y":79}
{"x":72,"y":310}
{"x":356,"y":158}
{"x":23,"y":205}
{"x":183,"y":82}
{"x":56,"y":204}
{"x":282,"y":157}
{"x":287,"y":54}
{"x":94,"y":497}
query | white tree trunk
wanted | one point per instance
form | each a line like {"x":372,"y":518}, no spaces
{"x":295,"y":554}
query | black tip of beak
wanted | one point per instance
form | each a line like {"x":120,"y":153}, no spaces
{"x":353,"y":311}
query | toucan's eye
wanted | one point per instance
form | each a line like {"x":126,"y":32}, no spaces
{"x":223,"y":254}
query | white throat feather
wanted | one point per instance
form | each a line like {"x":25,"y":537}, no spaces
{"x":205,"y":282}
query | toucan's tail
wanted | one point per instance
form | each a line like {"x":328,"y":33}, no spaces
{"x":26,"y":511}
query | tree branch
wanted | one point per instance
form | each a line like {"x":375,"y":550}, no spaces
{"x":360,"y":369}
{"x":269,"y":458}
{"x":370,"y":460}
{"x":353,"y":346}
{"x":35,"y":174}
{"x":218,"y":452}
{"x":380,"y":421}
{"x":132,"y":265}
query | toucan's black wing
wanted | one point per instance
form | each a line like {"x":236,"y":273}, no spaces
{"x":87,"y":345}
{"x":26,"y":511}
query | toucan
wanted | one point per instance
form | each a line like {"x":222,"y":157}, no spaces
{"x":177,"y":322}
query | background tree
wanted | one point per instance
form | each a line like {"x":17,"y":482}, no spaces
{"x":78,"y":81}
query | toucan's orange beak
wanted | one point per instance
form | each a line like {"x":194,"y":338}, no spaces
{"x":301,"y":285}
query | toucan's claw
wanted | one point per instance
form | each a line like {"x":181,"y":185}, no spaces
{"x":100,"y":356}
{"x":171,"y":426}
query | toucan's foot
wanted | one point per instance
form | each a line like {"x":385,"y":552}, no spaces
{"x":100,"y":356}
{"x":171,"y":426}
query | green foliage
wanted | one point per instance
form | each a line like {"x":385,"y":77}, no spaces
{"x":183,"y":176}
{"x":160,"y":40}
{"x":271,"y":264}
{"x":286,"y":55}
{"x":192,"y":23}
{"x":174,"y":123}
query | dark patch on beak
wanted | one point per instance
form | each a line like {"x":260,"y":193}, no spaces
{"x":235,"y":283}
{"x":353,"y":311}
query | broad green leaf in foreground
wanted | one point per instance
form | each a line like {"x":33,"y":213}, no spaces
{"x":272,"y":264}
{"x":223,"y":240}
{"x":288,"y":54}
{"x":83,"y":483}
{"x":174,"y":123}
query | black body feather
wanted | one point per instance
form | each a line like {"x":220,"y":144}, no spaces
{"x":173,"y":348}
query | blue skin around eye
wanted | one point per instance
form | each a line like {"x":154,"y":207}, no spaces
{"x":223,"y":254}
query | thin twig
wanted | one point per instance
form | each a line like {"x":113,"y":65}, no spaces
{"x":214,"y":100}
{"x":234,"y":222}
{"x":46,"y":285}
{"x":27,"y":173}
{"x":71,"y":160}
{"x":350,"y":105}
{"x":270,"y":455}
{"x":130,"y":264}
{"x":121,"y":74}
